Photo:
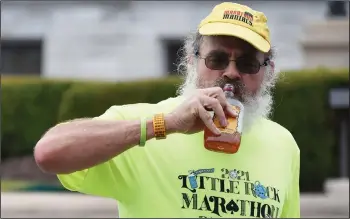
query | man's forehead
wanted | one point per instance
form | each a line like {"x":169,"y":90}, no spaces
{"x":229,"y":44}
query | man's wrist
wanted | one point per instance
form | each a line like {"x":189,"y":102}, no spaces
{"x":170,"y":126}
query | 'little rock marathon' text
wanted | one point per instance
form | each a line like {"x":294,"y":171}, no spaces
{"x":234,"y":182}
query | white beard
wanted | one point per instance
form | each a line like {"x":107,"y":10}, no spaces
{"x":256,"y":106}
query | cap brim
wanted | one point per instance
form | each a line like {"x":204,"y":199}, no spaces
{"x":238,"y":31}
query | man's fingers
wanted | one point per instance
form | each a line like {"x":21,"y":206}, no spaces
{"x":217,"y":93}
{"x":212,"y":103}
{"x":231,"y":112}
{"x":207,"y":120}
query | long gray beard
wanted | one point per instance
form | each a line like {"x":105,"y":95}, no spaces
{"x":256,"y":106}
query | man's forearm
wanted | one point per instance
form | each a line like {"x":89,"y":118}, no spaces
{"x":84,"y":143}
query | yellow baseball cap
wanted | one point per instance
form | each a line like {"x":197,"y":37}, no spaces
{"x":232,"y":19}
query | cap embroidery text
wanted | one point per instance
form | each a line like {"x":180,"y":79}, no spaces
{"x":245,"y":17}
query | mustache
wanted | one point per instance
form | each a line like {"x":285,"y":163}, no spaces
{"x":237,"y":84}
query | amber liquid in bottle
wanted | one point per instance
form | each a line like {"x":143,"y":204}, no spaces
{"x":230,"y":139}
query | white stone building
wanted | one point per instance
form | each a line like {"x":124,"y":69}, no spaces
{"x":126,"y":40}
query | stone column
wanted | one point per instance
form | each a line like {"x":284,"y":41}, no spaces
{"x":326,"y":43}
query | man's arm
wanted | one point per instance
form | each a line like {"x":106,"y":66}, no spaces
{"x":83,"y":143}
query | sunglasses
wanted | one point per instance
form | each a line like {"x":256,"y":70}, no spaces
{"x":220,"y":61}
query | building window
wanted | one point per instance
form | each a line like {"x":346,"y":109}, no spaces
{"x":21,"y":57}
{"x":337,"y":9}
{"x":173,"y":52}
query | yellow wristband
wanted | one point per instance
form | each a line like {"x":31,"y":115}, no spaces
{"x":159,"y":126}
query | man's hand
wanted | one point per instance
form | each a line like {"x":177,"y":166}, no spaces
{"x":192,"y":115}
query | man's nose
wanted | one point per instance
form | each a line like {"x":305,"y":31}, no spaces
{"x":231,"y":71}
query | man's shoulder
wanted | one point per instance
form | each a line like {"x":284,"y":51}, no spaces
{"x":138,"y":110}
{"x":280,"y":133}
{"x":268,"y":123}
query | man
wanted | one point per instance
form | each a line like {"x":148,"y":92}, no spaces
{"x":151,"y":157}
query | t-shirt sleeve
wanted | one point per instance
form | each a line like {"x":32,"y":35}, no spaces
{"x":291,"y":208}
{"x":106,"y":179}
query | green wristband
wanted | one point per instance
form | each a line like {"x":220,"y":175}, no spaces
{"x":143,"y":132}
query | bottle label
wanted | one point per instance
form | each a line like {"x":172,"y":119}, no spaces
{"x":233,"y":125}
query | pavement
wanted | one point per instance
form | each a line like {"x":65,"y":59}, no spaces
{"x":334,"y":203}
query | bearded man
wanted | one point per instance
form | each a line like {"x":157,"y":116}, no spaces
{"x":151,"y":157}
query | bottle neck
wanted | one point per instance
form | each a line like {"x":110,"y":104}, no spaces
{"x":229,"y":94}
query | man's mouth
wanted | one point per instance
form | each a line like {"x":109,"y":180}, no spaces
{"x":237,"y":91}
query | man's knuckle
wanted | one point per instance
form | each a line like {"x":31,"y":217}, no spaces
{"x":215,"y":101}
{"x":218,"y":89}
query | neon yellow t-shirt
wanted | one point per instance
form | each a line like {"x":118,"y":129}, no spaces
{"x":178,"y":177}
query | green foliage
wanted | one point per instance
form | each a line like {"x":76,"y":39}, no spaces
{"x":28,"y":110}
{"x":93,"y":99}
{"x":31,"y":106}
{"x":301,"y":106}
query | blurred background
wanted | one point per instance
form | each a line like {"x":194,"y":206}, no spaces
{"x":67,"y":59}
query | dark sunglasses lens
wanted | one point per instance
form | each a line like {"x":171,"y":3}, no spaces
{"x":247,"y":66}
{"x":217,"y":61}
